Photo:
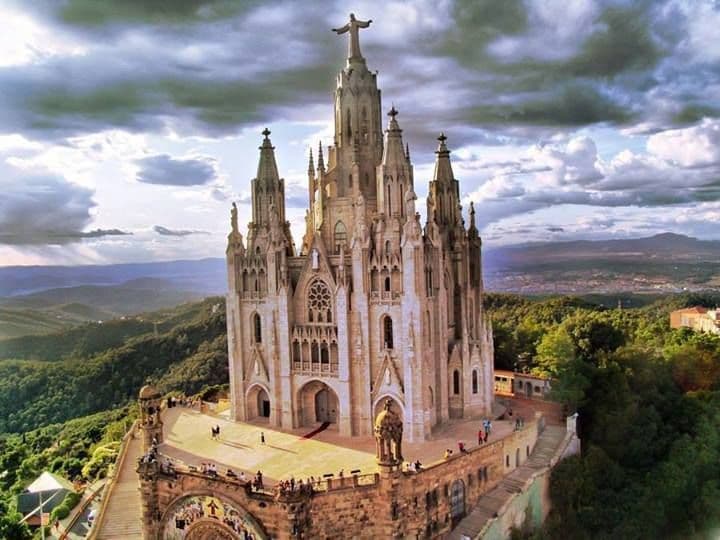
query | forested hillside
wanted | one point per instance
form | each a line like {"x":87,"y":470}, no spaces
{"x":75,"y":373}
{"x":49,"y":383}
{"x":648,"y":399}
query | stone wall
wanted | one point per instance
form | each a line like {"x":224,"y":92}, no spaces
{"x":392,"y":503}
{"x":528,"y":508}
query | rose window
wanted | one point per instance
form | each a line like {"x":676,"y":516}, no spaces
{"x":319,"y":303}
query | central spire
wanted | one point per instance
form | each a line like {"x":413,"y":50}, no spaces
{"x":353,"y":27}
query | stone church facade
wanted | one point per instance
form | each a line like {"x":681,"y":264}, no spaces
{"x":372,"y":305}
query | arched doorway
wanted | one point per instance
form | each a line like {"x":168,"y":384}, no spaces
{"x":318,"y":403}
{"x":263,"y":404}
{"x":258,"y":403}
{"x":326,"y":406}
{"x":457,"y":501}
{"x":206,"y":517}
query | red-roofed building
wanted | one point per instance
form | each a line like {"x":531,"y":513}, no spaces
{"x":697,"y":318}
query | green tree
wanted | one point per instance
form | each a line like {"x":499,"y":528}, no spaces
{"x":10,"y":526}
{"x":594,"y":334}
{"x":556,"y":349}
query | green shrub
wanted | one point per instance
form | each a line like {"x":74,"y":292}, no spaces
{"x":102,"y":458}
{"x":63,"y":510}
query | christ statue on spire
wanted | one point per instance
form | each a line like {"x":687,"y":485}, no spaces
{"x":353,"y":27}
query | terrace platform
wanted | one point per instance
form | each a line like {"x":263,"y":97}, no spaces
{"x":286,"y":453}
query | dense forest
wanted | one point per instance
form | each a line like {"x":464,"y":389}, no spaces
{"x":648,"y":399}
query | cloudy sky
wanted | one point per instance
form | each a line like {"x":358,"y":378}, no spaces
{"x":128,"y":128}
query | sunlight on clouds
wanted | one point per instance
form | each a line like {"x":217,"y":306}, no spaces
{"x":557,"y":30}
{"x":24,"y":41}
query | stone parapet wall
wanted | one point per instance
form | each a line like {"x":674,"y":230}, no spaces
{"x":389,"y":504}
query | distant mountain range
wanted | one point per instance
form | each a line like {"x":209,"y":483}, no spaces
{"x":206,"y":276}
{"x":40,"y":299}
{"x":665,"y":247}
{"x":663,"y":263}
{"x":55,"y":309}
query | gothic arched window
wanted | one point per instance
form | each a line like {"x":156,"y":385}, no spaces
{"x":474,"y":381}
{"x":387,"y":332}
{"x":319,"y":302}
{"x":340,"y":236}
{"x":348,"y":127}
{"x":456,"y":382}
{"x":257,"y":328}
{"x":387,"y":284}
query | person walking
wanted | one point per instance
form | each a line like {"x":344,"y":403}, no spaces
{"x":262,"y":437}
{"x":480,"y":437}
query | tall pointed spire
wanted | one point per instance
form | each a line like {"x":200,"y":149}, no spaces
{"x":444,"y":189}
{"x":267,"y":187}
{"x":473,"y":226}
{"x":396,"y":179}
{"x":267,"y":167}
{"x":443,"y":169}
{"x":311,"y":164}
{"x":407,"y":151}
{"x":321,"y":160}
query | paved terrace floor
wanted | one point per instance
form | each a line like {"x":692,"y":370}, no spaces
{"x":286,"y":453}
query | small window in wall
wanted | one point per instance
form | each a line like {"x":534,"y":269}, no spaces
{"x":387,"y":284}
{"x":537,"y":389}
{"x":340,"y":236}
{"x":456,"y":382}
{"x":257,"y":326}
{"x":315,"y":353}
{"x":474,"y":381}
{"x":388,"y":332}
{"x":507,"y":460}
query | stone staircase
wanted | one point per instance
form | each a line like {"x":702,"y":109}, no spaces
{"x":490,"y":504}
{"x":122,"y":519}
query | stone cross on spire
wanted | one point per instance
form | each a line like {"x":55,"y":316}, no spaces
{"x":353,"y":28}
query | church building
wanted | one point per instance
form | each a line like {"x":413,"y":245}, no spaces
{"x":373,"y":305}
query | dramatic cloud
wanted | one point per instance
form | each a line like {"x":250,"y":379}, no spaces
{"x":552,"y":108}
{"x":169,"y":171}
{"x":40,"y":209}
{"x":91,"y":13}
{"x":679,"y":167}
{"x":164,"y":231}
{"x":695,"y":146}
